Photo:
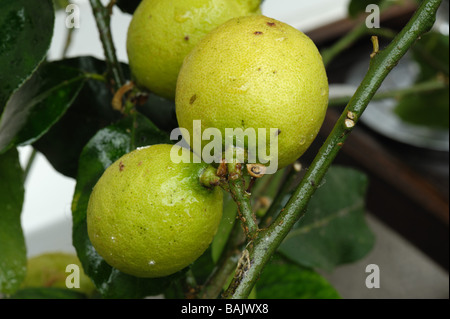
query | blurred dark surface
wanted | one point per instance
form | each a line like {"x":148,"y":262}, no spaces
{"x":409,"y":186}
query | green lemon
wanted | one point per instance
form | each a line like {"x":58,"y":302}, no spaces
{"x":162,"y":32}
{"x":149,"y":216}
{"x":255,"y":73}
{"x":49,"y":270}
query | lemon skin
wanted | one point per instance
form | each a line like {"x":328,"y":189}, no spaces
{"x":163,"y":32}
{"x":149,"y":217}
{"x":255,"y":72}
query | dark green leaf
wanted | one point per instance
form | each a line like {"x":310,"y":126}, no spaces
{"x":356,"y":7}
{"x":160,"y":111}
{"x":282,"y":280}
{"x":61,"y":4}
{"x":26,"y":30}
{"x":203,"y":266}
{"x":12,"y":244}
{"x":429,"y":109}
{"x":432,"y":54}
{"x":39,"y":104}
{"x":425,"y":109}
{"x":108,"y":145}
{"x":91,"y":111}
{"x":128,"y":6}
{"x":47,"y":293}
{"x":333,"y":230}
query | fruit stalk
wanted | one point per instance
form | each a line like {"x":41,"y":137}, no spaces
{"x":381,"y":64}
{"x":242,"y":198}
{"x":102,"y":18}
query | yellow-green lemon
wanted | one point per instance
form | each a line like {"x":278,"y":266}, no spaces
{"x":255,"y":73}
{"x":49,"y":270}
{"x":149,"y":216}
{"x":162,"y":32}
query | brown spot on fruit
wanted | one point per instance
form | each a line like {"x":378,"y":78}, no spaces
{"x":258,"y":33}
{"x":121,"y":166}
{"x":193,"y":98}
{"x":271,"y":24}
{"x":186,"y":38}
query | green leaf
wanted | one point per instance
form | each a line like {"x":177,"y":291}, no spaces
{"x":108,"y":145}
{"x":429,"y":109}
{"x":203,"y":266}
{"x":160,"y":111}
{"x":90,"y":112}
{"x":47,"y":293}
{"x":333,"y":231}
{"x":26,"y":30}
{"x":432,"y":54}
{"x":12,"y":244}
{"x":128,"y":6}
{"x":283,"y":280}
{"x":38,"y":104}
{"x":425,"y":109}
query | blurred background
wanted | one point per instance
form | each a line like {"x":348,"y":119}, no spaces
{"x":407,"y":164}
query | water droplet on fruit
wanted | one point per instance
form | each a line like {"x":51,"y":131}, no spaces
{"x":151,"y":262}
{"x":184,"y":16}
{"x":113,"y":239}
{"x":302,"y":140}
{"x":323,"y":91}
{"x":244,"y":88}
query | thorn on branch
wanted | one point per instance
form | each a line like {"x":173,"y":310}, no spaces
{"x":256,"y":170}
{"x":110,"y":6}
{"x":376,"y":46}
{"x":117,"y":101}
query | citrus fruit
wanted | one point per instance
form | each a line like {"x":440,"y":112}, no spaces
{"x":49,"y":270}
{"x":162,"y":32}
{"x":255,"y":73}
{"x":150,"y":217}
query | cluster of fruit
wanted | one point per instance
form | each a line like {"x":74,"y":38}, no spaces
{"x":227,"y":65}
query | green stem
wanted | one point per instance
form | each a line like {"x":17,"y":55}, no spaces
{"x":102,"y":19}
{"x":382,"y":63}
{"x":68,"y":41}
{"x":354,"y":35}
{"x":274,"y":208}
{"x":424,"y":87}
{"x":347,"y":41}
{"x":30,"y":162}
{"x":245,"y":212}
{"x":95,"y":76}
{"x":344,"y":43}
